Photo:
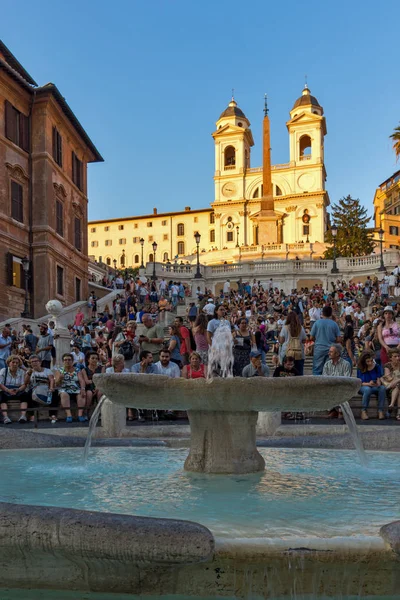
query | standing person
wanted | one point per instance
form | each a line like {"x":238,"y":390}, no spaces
{"x":227,"y":288}
{"x":243,"y":339}
{"x":388,"y":334}
{"x":292,"y":338}
{"x":349,"y":346}
{"x":219,"y":318}
{"x":79,"y":318}
{"x":44,"y":346}
{"x":186,"y":348}
{"x":5,"y":346}
{"x":12,"y":385}
{"x":153,"y":338}
{"x":209,"y":308}
{"x":314,"y":313}
{"x":192,"y":312}
{"x":325,"y":332}
{"x":200,"y":337}
{"x":370,"y":374}
{"x":175,"y":345}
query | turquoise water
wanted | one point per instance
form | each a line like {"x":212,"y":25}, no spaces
{"x":306,"y":493}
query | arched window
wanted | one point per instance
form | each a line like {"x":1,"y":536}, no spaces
{"x":305,"y":147}
{"x":229,"y":157}
{"x":212,"y":235}
{"x":181,"y":248}
{"x":165,"y":256}
{"x":181,"y":229}
{"x":256,"y":193}
{"x":151,"y":258}
{"x":278,"y":191}
{"x":136,"y":259}
{"x":108,"y":261}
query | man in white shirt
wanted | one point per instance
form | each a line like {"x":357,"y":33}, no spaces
{"x":209,"y":308}
{"x":165,"y":367}
{"x":227,"y":288}
{"x":314,"y":313}
{"x":163,"y":287}
{"x":5,"y":346}
{"x":392,"y":284}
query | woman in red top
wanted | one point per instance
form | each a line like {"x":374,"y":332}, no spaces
{"x":194,"y":370}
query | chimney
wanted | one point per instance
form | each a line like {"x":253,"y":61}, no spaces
{"x":187,"y":208}
{"x":154,"y":211}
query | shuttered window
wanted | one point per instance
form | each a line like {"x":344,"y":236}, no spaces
{"x":17,"y":127}
{"x":78,"y":234}
{"x":57,"y":146}
{"x":59,"y":218}
{"x":77,"y":289}
{"x":15,"y":272}
{"x":77,"y":171}
{"x":17,"y":204}
{"x":60,"y":281}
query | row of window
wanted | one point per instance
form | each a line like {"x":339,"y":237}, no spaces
{"x":17,"y":131}
{"x":17,"y":213}
{"x":180,"y":226}
{"x":393,"y":230}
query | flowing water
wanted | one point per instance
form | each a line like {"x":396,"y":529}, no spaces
{"x":354,"y":432}
{"x":92,"y":426}
{"x":220,"y":355}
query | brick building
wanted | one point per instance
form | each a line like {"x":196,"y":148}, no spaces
{"x":44,"y":152}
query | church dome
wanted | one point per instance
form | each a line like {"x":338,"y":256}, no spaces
{"x":233,"y":111}
{"x":306,"y":99}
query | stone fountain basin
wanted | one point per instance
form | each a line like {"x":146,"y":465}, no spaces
{"x":223,"y":413}
{"x":236,"y":394}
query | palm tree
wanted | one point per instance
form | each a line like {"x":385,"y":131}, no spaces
{"x":396,"y":141}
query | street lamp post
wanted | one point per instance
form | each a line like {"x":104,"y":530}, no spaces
{"x":154,"y":277}
{"x":142,"y":244}
{"x":237,"y":236}
{"x":381,"y":234}
{"x":334,"y":234}
{"x":25,"y":265}
{"x":197,"y":237}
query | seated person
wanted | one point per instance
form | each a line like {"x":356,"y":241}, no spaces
{"x":69,"y":383}
{"x":12,"y":385}
{"x":287,"y":369}
{"x":195,"y":369}
{"x":370,"y":374}
{"x":91,"y":392}
{"x":256,"y":368}
{"x":145,"y":364}
{"x":40,"y":383}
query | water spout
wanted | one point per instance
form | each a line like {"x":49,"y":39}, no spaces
{"x":354,"y":432}
{"x":92,"y":426}
{"x":220,"y":356}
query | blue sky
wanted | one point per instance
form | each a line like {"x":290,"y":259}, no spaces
{"x":148,"y":79}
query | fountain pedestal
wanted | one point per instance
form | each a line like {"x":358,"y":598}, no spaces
{"x":223,"y":442}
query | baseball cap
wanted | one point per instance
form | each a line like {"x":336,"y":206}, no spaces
{"x":255,"y":353}
{"x":387,"y":308}
{"x":210,"y":300}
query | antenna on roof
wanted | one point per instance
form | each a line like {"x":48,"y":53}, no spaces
{"x":305,"y":82}
{"x":233,"y":94}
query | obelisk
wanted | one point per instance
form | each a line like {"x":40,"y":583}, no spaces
{"x":267,"y":217}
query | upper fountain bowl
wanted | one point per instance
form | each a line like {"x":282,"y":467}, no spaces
{"x":227,"y":395}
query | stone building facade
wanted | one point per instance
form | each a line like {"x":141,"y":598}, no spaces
{"x":231,"y":227}
{"x":44,"y":152}
{"x":387,"y":211}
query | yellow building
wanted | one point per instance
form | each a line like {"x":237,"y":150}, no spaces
{"x":387,"y":211}
{"x":231,"y":225}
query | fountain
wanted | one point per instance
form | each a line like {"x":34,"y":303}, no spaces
{"x":280,"y":523}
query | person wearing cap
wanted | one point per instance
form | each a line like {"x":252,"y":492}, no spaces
{"x":388,"y":334}
{"x":44,"y":346}
{"x":209,"y":308}
{"x":256,"y":368}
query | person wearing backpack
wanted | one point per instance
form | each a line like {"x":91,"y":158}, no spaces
{"x":292,"y":338}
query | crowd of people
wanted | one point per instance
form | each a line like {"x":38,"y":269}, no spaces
{"x":350,"y":329}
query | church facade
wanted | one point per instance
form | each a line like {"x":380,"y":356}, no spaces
{"x":269,"y":209}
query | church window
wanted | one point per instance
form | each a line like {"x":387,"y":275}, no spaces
{"x":135,"y":226}
{"x":120,"y":227}
{"x":94,"y":244}
{"x":195,"y":219}
{"x":240,"y":124}
{"x":165,"y":237}
{"x":17,"y":204}
{"x":106,"y":228}
{"x":305,"y":147}
{"x":256,"y":193}
{"x":229,"y":236}
{"x":181,"y":230}
{"x":181,"y":247}
{"x":136,"y":259}
{"x":122,"y":241}
{"x":108,"y":261}
{"x":108,"y":243}
{"x":278,"y":191}
{"x":150,"y":224}
{"x":150,"y":238}
{"x":151,"y":258}
{"x":93,"y":230}
{"x":229,"y":157}
{"x":306,"y":230}
{"x":163,"y":223}
{"x":212,"y":235}
{"x":165,"y":256}
{"x":212,"y":218}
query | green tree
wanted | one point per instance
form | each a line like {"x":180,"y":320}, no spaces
{"x":396,"y":141}
{"x":353,"y":238}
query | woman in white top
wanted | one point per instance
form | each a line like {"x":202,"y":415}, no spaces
{"x":12,"y":385}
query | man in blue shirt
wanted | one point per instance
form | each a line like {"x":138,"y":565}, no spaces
{"x":146,"y":363}
{"x":324,"y":332}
